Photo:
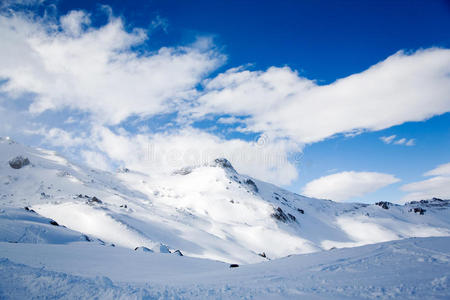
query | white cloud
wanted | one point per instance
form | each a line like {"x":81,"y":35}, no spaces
{"x":95,"y":160}
{"x":404,"y":87}
{"x":346,"y":185}
{"x":443,"y":169}
{"x":71,"y":65}
{"x":411,"y":142}
{"x":229,"y":120}
{"x":437,"y":186}
{"x":74,"y":22}
{"x":401,"y":141}
{"x":388,"y":139}
{"x":165,"y":152}
{"x":159,"y":22}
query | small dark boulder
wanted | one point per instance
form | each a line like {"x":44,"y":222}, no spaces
{"x":124,"y":206}
{"x":262,"y":254}
{"x":29,"y":209}
{"x":19,"y":162}
{"x":93,"y":200}
{"x":123,"y":170}
{"x":419,"y":210}
{"x":301,"y":211}
{"x":54,"y":223}
{"x":234,"y":266}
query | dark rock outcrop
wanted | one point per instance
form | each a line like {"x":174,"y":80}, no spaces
{"x":384,"y":204}
{"x":222,"y":163}
{"x":54,"y":223}
{"x":251,"y":184}
{"x":19,"y":162}
{"x":280,"y":215}
{"x":419,"y":210}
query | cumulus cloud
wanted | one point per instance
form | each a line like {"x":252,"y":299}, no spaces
{"x":404,"y":87}
{"x":346,"y":185}
{"x":165,"y":152}
{"x":73,"y":65}
{"x":436,"y":186}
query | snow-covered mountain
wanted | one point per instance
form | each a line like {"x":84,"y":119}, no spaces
{"x":206,"y":211}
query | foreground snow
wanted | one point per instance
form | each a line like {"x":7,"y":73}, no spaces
{"x":416,"y":268}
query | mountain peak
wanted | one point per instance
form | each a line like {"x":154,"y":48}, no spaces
{"x":221,"y":163}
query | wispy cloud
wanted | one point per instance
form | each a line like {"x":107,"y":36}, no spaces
{"x":346,"y":185}
{"x":388,"y":139}
{"x":401,"y":141}
{"x":436,"y":186}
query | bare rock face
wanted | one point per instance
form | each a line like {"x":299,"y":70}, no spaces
{"x":222,"y":163}
{"x":384,"y":204}
{"x":251,"y":184}
{"x":19,"y":162}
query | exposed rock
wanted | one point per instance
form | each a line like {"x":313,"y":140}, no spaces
{"x":292,"y":217}
{"x":93,"y":200}
{"x":384,"y":204}
{"x":19,"y":162}
{"x":124,"y":206}
{"x":301,"y":211}
{"x":123,"y":170}
{"x":434,"y":202}
{"x":280,"y":215}
{"x":234,"y":266}
{"x":251,"y":184}
{"x":222,"y":163}
{"x":29,"y":209}
{"x":262,"y":254}
{"x":54,"y":223}
{"x":419,"y":210}
{"x":178,"y":252}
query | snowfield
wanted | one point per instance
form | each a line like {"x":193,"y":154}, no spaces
{"x":415,"y":268}
{"x":74,"y":232}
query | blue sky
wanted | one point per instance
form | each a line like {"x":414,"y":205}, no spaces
{"x":221,"y":74}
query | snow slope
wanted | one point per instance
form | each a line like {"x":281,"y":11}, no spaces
{"x":207,"y":211}
{"x":415,"y":268}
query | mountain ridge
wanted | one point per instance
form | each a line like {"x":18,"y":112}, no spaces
{"x":205,"y":211}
